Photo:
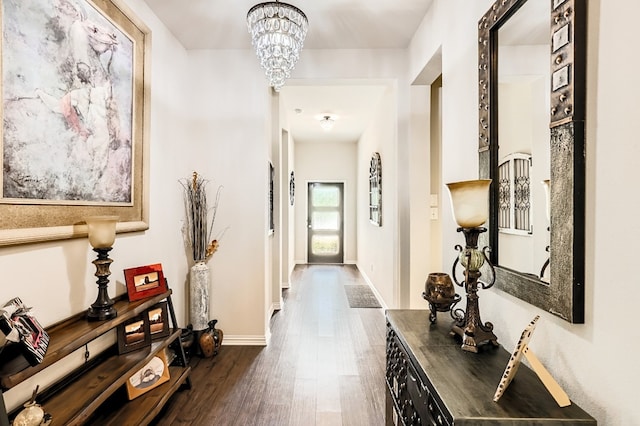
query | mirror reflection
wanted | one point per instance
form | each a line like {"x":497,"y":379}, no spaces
{"x":523,"y":140}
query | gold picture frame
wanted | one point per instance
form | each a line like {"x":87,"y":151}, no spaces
{"x":34,"y":218}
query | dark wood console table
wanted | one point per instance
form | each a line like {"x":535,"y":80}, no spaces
{"x":432,"y":381}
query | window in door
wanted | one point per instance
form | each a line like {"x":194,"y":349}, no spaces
{"x":325,"y":222}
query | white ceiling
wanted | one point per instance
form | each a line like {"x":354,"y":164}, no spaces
{"x":333,"y":24}
{"x":351,"y":105}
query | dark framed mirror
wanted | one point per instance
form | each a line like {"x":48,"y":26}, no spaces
{"x":532,"y":61}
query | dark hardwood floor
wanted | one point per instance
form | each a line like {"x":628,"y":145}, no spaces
{"x":324,"y":364}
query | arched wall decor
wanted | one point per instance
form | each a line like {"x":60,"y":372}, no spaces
{"x":292,"y":188}
{"x":375,"y":190}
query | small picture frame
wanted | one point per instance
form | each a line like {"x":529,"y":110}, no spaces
{"x":560,"y":78}
{"x":152,"y":375}
{"x":145,"y":281}
{"x":134,"y":334}
{"x":158,"y":321}
{"x":20,"y":326}
{"x":557,"y":3}
{"x":516,"y":357}
{"x":560,"y":38}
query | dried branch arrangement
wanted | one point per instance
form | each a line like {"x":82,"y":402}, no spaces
{"x":199,"y":230}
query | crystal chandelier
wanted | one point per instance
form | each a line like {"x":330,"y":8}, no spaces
{"x":277,"y":33}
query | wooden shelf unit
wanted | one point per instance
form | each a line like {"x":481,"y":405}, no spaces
{"x":82,"y":398}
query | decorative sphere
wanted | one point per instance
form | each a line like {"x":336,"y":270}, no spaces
{"x":476,"y":258}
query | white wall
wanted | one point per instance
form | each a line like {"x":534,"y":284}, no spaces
{"x":321,"y":162}
{"x":228,"y":138}
{"x":420,"y":190}
{"x":57,"y":278}
{"x":286,"y":259}
{"x":297,"y":190}
{"x":594,"y":362}
{"x":377,"y":246}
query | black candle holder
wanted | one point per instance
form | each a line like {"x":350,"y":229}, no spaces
{"x":102,"y":309}
{"x":467,"y":324}
{"x":545,"y":265}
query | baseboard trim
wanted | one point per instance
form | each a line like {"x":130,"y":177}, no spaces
{"x":274,"y":307}
{"x":241,"y":340}
{"x":373,"y":289}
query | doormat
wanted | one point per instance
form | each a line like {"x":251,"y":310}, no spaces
{"x":361,"y":296}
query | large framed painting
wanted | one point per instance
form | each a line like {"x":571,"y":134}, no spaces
{"x":75,"y":113}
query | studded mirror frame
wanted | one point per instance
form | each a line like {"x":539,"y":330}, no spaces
{"x":564,"y":295}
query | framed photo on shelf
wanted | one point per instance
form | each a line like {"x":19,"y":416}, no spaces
{"x":134,"y":334}
{"x":152,"y":375}
{"x":21,"y":327}
{"x":158,"y":321}
{"x":145,"y":281}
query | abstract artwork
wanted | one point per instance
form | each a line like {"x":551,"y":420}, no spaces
{"x":75,"y":117}
{"x":67,"y":91}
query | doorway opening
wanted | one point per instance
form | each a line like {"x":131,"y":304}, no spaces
{"x":325,"y":222}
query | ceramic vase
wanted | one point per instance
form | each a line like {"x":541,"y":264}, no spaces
{"x":439,"y":288}
{"x":210,"y":340}
{"x":440,"y":293}
{"x":199,"y":296}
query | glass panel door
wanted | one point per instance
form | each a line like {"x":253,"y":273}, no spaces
{"x":325,"y":223}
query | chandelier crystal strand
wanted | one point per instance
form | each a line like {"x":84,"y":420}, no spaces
{"x":277,"y":33}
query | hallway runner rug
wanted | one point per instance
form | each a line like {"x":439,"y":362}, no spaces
{"x":361,"y":296}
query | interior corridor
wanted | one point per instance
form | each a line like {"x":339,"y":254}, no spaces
{"x":324,"y":364}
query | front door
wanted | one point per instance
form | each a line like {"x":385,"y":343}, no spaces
{"x":325,"y":222}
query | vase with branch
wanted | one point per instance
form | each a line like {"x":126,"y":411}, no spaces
{"x":200,"y":241}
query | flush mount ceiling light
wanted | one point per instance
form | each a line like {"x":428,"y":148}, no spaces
{"x":327,"y":122}
{"x":277,"y":33}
